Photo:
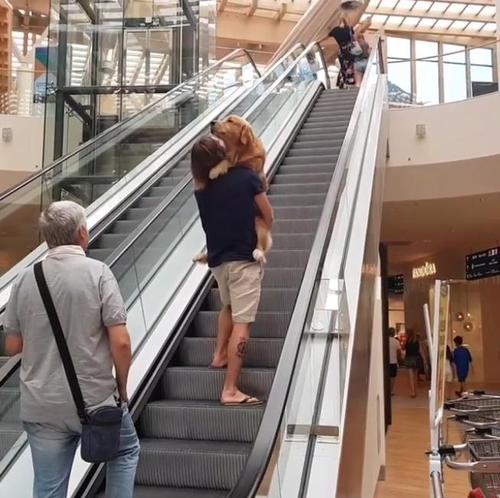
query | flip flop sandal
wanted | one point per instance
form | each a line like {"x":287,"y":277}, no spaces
{"x":247,"y":401}
{"x":217,"y":368}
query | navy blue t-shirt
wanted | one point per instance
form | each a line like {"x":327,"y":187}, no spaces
{"x":227,"y":211}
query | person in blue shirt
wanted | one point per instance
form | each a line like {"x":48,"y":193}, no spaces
{"x":462,"y":359}
{"x":228,"y":206}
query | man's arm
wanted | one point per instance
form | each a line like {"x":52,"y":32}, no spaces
{"x":265,"y":208}
{"x":13,"y":344}
{"x":121,"y":351}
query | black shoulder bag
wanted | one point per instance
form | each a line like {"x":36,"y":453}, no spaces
{"x":100,"y":440}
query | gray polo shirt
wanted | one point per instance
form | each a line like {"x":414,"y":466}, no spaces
{"x":87,"y":299}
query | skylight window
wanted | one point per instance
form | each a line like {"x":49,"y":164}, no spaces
{"x":488,"y":11}
{"x":405,"y":4}
{"x":422,"y":5}
{"x":411,"y":21}
{"x":388,"y":4}
{"x":472,"y":10}
{"x":474,"y":26}
{"x":379,"y":19}
{"x":394,"y":20}
{"x":438,"y":7}
{"x":443,"y":24}
{"x":455,"y":8}
{"x":489,"y":27}
{"x":426,"y":23}
{"x":459,"y":25}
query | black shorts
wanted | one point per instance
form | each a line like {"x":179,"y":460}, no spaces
{"x":393,"y":369}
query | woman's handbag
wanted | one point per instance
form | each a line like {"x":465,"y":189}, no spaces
{"x":100,"y":439}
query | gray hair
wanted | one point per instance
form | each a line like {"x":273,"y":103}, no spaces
{"x":60,"y":223}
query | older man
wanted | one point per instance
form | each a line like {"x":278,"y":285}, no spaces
{"x":93,"y":318}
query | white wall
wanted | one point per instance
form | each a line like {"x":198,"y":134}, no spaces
{"x":24,"y":152}
{"x":459,"y":156}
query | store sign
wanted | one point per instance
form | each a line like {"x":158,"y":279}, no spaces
{"x":482,"y":264}
{"x":426,"y":270}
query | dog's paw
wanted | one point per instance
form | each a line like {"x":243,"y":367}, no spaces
{"x":214,"y":173}
{"x":259,"y":256}
{"x":201,"y":258}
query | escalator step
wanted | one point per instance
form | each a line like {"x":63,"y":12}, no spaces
{"x":318,"y":135}
{"x":124,"y":226}
{"x":311,"y":188}
{"x":297,"y":213}
{"x":267,"y":324}
{"x":163,"y":492}
{"x":290,"y":226}
{"x":9,"y":434}
{"x":99,"y":254}
{"x":280,"y":200}
{"x":309,"y":160}
{"x":199,"y":420}
{"x":167,"y":181}
{"x":328,"y":149}
{"x":197,"y":352}
{"x":319,"y":144}
{"x":148,"y":202}
{"x":330,"y":127}
{"x":202,"y":383}
{"x":109,"y":240}
{"x":270,"y":299}
{"x":307,"y":168}
{"x":291,"y":241}
{"x":10,"y":404}
{"x":137,"y":213}
{"x":160,"y":191}
{"x":191,"y":464}
{"x":291,"y":259}
{"x":301,"y":178}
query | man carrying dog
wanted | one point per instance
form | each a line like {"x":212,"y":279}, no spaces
{"x":227,"y":211}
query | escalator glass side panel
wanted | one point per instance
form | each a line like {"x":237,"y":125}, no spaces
{"x":87,"y":174}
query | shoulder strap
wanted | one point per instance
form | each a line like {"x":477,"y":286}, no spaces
{"x":69,"y":368}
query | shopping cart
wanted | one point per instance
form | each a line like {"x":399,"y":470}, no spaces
{"x":474,"y":403}
{"x":487,"y":419}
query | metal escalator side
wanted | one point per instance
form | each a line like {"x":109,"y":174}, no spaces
{"x":307,"y":443}
{"x":155,"y":262}
{"x":94,"y":168}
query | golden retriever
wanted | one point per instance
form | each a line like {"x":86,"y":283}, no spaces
{"x":243,"y":148}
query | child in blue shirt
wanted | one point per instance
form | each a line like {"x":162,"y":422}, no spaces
{"x":462,"y":360}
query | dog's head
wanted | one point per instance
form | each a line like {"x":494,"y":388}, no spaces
{"x":236,"y":133}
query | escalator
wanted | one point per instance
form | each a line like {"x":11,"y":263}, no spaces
{"x":191,"y":446}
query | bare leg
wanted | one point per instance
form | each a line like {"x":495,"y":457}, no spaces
{"x":225,"y":326}
{"x":358,"y":78}
{"x":413,"y":390}
{"x":236,"y":353}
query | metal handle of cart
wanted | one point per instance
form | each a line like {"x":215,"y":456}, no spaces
{"x":437,"y":484}
{"x":475,"y":467}
{"x":487,"y":424}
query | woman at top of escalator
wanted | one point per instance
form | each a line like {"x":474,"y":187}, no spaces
{"x":227,"y":212}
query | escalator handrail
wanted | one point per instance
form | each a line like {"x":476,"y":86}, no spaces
{"x":163,"y":205}
{"x":234,"y":54}
{"x":259,"y":457}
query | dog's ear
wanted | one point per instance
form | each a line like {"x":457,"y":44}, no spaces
{"x":247,"y":135}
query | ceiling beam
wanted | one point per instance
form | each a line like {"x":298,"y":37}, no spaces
{"x":281,"y":13}
{"x":222,"y":6}
{"x":253,"y":7}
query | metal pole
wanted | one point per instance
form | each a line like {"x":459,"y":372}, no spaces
{"x":62,"y":49}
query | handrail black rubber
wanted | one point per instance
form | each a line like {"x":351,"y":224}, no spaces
{"x":142,"y":112}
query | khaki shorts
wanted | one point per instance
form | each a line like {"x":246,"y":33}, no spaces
{"x":239,"y":287}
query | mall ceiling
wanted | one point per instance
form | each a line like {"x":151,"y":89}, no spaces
{"x":417,"y":229}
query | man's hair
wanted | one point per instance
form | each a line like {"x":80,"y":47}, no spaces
{"x":458,"y":340}
{"x":60,"y":222}
{"x":392,"y":331}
